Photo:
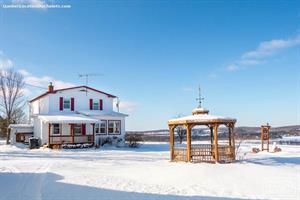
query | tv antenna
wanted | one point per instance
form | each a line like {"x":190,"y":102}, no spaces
{"x":86,"y":76}
{"x":200,"y":98}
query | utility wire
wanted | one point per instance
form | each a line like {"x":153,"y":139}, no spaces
{"x":28,"y":84}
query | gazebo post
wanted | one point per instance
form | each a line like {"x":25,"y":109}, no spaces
{"x":211,"y":134}
{"x":188,"y":142}
{"x":233,"y":140}
{"x":171,"y":128}
{"x":216,"y":143}
{"x":229,"y":134}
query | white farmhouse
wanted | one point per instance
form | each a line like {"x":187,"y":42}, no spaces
{"x":71,"y":116}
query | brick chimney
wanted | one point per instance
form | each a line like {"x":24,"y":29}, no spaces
{"x":50,"y":88}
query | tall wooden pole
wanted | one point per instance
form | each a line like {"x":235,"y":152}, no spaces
{"x":188,"y":143}
{"x":216,"y":143}
{"x":171,"y":128}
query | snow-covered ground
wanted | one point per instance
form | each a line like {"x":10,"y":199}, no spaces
{"x":145,"y":173}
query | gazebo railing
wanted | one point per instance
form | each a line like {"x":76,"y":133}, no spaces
{"x":204,"y":153}
{"x":179,"y":154}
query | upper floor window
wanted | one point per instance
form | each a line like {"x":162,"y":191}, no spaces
{"x":95,"y":105}
{"x":67,"y":104}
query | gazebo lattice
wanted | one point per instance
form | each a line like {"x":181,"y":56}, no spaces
{"x":212,"y":152}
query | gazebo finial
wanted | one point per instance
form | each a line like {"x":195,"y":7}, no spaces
{"x":199,"y":99}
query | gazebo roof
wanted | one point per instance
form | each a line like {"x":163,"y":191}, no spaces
{"x":201,"y":116}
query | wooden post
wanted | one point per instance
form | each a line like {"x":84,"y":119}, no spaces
{"x":265,"y":136}
{"x":93,"y":133}
{"x":49,"y":130}
{"x":216,"y":143}
{"x":211,"y":135}
{"x":233,"y":141}
{"x":229,"y":134}
{"x":72,"y":132}
{"x":188,"y":143}
{"x":171,"y":128}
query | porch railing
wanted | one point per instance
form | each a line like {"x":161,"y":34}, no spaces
{"x":68,"y":139}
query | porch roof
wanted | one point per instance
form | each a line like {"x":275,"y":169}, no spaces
{"x":67,"y":119}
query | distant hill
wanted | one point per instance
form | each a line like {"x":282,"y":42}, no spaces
{"x":203,"y":133}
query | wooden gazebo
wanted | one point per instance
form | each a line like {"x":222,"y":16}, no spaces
{"x":212,"y":152}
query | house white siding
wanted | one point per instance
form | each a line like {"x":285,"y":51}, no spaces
{"x":46,"y":111}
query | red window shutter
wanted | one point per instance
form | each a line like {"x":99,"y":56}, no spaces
{"x":101,"y":104}
{"x":61,"y":103}
{"x":72,"y":104}
{"x":91,"y":104}
{"x":83,"y":129}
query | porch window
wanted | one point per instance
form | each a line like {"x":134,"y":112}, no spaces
{"x":95,"y":105}
{"x":100,"y":128}
{"x":56,"y":129}
{"x":114,"y":127}
{"x":67,"y":104}
{"x":77,"y":129}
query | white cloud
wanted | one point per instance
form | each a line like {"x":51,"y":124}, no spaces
{"x":232,"y":67}
{"x":212,"y":75}
{"x":128,"y":106}
{"x":44,"y":80}
{"x":263,"y":52}
{"x":188,"y":89}
{"x":31,"y":79}
{"x":4,"y":61}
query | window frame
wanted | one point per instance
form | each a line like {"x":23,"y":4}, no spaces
{"x":74,"y":128}
{"x":66,"y":99}
{"x":98,"y":105}
{"x":54,"y":128}
{"x":114,"y":133}
{"x":100,"y":123}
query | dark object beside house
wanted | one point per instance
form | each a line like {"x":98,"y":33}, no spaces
{"x":33,"y":143}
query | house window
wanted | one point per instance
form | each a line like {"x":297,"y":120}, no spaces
{"x":114,"y":127}
{"x":77,"y":129}
{"x":56,"y":129}
{"x":67,"y":104}
{"x":100,"y":128}
{"x":95,"y":105}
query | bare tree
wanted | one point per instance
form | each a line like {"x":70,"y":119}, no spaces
{"x":12,"y":101}
{"x":181,"y":132}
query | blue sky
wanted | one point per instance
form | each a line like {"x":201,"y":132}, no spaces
{"x":154,"y":54}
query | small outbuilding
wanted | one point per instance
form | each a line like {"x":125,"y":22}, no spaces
{"x":213,"y":152}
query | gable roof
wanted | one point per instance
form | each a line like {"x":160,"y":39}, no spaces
{"x":70,"y":88}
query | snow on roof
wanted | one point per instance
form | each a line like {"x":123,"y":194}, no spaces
{"x":71,"y":88}
{"x":200,"y":115}
{"x":20,"y":126}
{"x":200,"y":111}
{"x":201,"y":119}
{"x":67,"y":118}
{"x":102,"y":113}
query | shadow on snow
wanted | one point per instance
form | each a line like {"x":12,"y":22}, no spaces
{"x":46,"y":186}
